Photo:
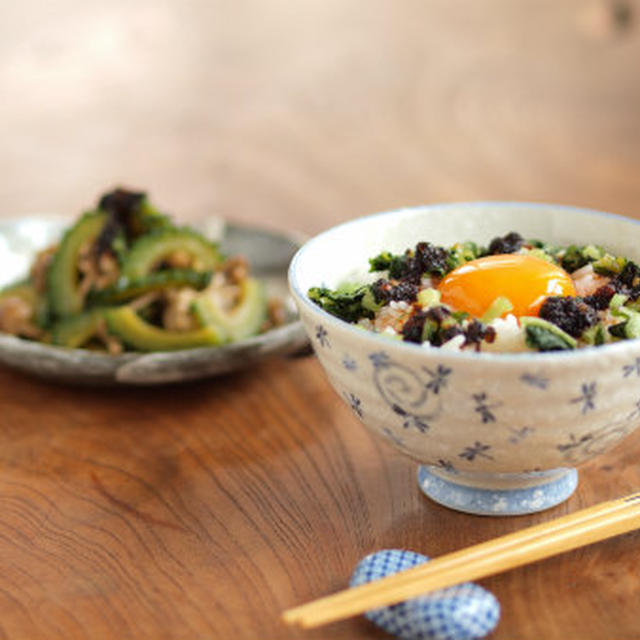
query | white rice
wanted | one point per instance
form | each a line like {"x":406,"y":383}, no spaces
{"x":392,"y":316}
{"x":455,"y":344}
{"x":509,"y":336}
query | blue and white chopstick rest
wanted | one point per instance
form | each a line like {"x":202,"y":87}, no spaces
{"x":463,"y":612}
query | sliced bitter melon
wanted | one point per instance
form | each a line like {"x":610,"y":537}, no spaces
{"x":77,"y":331}
{"x":151,"y":249}
{"x":125,"y":323}
{"x":125,"y":289}
{"x":64,"y":294}
{"x":151,"y":219}
{"x":243,"y":320}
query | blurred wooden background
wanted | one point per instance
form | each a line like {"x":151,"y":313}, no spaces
{"x":203,"y":511}
{"x":307,"y":113}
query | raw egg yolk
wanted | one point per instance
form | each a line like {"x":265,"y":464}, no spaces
{"x":525,"y":280}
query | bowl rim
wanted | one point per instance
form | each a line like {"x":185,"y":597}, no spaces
{"x":584,"y":353}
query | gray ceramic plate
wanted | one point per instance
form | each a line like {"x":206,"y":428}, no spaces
{"x":269,"y":255}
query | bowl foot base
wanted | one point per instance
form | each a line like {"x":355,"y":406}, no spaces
{"x":499,"y":494}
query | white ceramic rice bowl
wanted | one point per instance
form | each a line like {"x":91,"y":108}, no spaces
{"x":495,"y":433}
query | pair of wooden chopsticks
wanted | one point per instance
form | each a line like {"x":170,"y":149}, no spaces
{"x":569,"y":532}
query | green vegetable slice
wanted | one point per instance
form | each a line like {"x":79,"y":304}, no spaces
{"x":349,"y":302}
{"x":497,"y":308}
{"x":428,"y":298}
{"x":244,"y":320}
{"x":150,"y":250}
{"x":125,"y":289}
{"x":595,"y":335}
{"x":609,"y":265}
{"x":77,"y":331}
{"x":63,"y":291}
{"x":575,"y":257}
{"x":463,"y":252}
{"x":630,"y":328}
{"x":125,"y":323}
{"x":386,"y":261}
{"x":546,"y":336}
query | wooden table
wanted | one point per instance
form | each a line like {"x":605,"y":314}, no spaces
{"x":203,"y":511}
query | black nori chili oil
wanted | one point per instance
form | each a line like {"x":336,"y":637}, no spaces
{"x":509,"y":243}
{"x":475,"y":332}
{"x":385,"y":291}
{"x":413,"y":327}
{"x":572,"y":315}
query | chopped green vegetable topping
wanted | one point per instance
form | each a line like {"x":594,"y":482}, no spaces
{"x":575,"y":257}
{"x":630,"y":328}
{"x":497,"y":308}
{"x":463,"y":252}
{"x":369,"y":301}
{"x":618,"y":330}
{"x":386,"y":261}
{"x":459,"y":316}
{"x":541,"y":254}
{"x":595,"y":335}
{"x":429,"y":331}
{"x":609,"y":265}
{"x":346,"y":303}
{"x":545,"y":336}
{"x":616,"y":303}
{"x":548,"y":248}
{"x":428,"y":298}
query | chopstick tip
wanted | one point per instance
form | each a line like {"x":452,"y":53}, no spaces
{"x":290,"y":617}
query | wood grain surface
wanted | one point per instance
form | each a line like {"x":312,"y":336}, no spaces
{"x":202,"y":511}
